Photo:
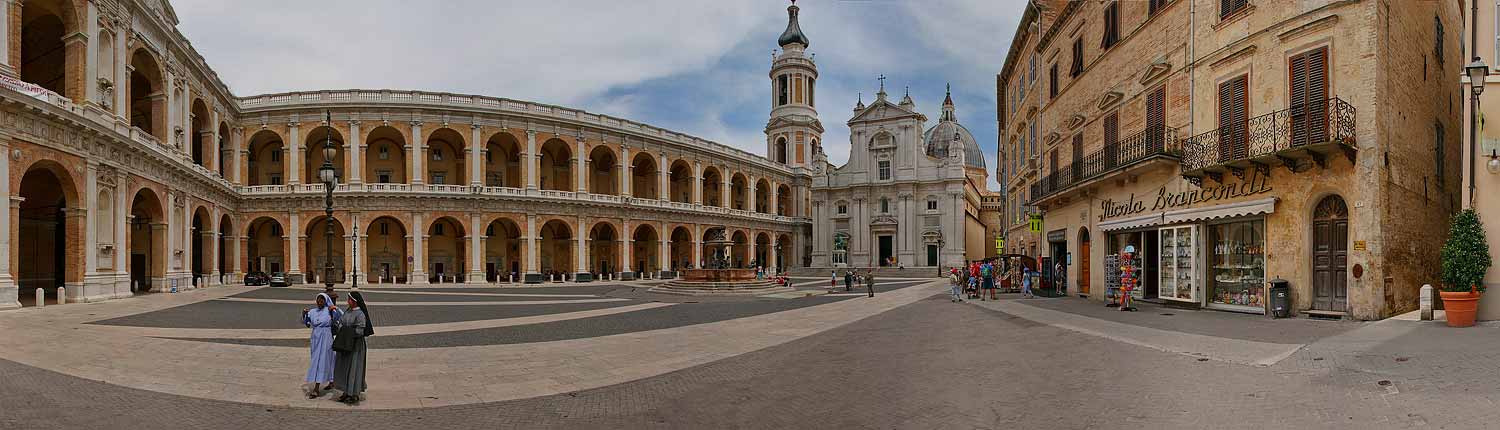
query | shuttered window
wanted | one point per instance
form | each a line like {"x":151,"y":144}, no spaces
{"x":1077,"y":59}
{"x":1157,"y":5}
{"x":1077,"y":156}
{"x":1111,"y":141}
{"x":1229,"y":7}
{"x":1052,"y":78}
{"x":1111,"y":25}
{"x":1234,"y":111}
{"x":1308,"y":78}
{"x":1156,"y":119}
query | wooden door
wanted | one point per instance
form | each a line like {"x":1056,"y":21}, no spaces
{"x":1083,"y":262}
{"x":1330,"y":255}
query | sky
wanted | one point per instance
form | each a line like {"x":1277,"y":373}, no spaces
{"x":696,"y":67}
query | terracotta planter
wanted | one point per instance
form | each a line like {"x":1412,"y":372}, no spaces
{"x":1460,"y":307}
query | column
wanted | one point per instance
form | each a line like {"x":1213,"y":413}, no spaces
{"x":754,"y":252}
{"x":294,"y":248}
{"x":122,"y":231}
{"x":533,"y":261}
{"x":697,"y":183}
{"x":775,"y":256}
{"x":772,"y":202}
{"x":857,"y":236}
{"x":122,"y":78}
{"x":904,"y":230}
{"x":476,"y":161}
{"x":580,"y":167}
{"x":236,"y":273}
{"x":580,"y":252}
{"x":418,"y":174}
{"x":217,"y":141}
{"x":355,"y":152}
{"x":90,"y":229}
{"x":626,"y":175}
{"x":241,"y":156}
{"x":724,"y":179}
{"x":529,"y":162}
{"x":294,"y":155}
{"x":476,"y":240}
{"x":953,"y":240}
{"x":750,"y":184}
{"x":418,"y":251}
{"x":212,"y":259}
{"x":90,"y":55}
{"x":664,"y":248}
{"x":627,"y":242}
{"x":664,"y":184}
{"x":697,"y":246}
{"x":8,"y":290}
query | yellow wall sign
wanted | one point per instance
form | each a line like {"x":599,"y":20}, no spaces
{"x":1359,"y":245}
{"x":999,"y":245}
{"x":1035,"y":223}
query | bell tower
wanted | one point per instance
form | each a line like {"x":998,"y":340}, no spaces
{"x":793,"y":135}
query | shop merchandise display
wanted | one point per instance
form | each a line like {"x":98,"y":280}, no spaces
{"x":1238,"y":264}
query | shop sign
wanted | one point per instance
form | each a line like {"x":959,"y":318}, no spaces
{"x":1165,"y":200}
{"x":1359,"y":245}
{"x":1057,"y":236}
{"x":1034,"y":223}
{"x":999,"y":245}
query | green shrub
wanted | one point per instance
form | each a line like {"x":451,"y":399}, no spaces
{"x":1466,"y":255}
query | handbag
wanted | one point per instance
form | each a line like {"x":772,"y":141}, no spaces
{"x":344,"y":341}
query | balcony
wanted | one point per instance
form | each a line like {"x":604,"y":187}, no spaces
{"x":1149,"y":144}
{"x":1285,"y":137}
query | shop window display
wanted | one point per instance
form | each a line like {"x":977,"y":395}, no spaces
{"x":1238,"y":265}
{"x":1178,"y":272}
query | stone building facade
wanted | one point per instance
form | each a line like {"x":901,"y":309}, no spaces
{"x":132,"y":168}
{"x":1230,"y":144}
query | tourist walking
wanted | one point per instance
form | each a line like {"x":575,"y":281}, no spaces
{"x":986,"y":276}
{"x":870,"y":282}
{"x":1026,"y":282}
{"x":848,"y":280}
{"x":349,"y":368}
{"x":321,"y":319}
{"x":956,"y":286}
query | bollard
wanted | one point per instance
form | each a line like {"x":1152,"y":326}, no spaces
{"x":62,"y":295}
{"x":511,"y":278}
{"x":1425,"y":303}
{"x":41,"y":297}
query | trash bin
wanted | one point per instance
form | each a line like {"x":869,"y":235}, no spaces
{"x":1281,"y":303}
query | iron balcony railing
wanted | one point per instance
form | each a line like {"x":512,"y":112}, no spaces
{"x":1326,"y":121}
{"x":1155,"y":141}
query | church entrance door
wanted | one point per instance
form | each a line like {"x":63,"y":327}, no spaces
{"x":932,"y":256}
{"x":886,"y":250}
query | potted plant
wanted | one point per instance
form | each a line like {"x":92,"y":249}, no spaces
{"x":1466,"y":257}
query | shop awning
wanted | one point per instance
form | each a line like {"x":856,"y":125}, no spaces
{"x":1132,"y":222}
{"x":1249,"y":207}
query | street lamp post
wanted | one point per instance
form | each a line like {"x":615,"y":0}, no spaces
{"x":1476,"y":70}
{"x":326,"y":174}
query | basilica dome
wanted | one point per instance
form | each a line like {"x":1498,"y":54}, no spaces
{"x":940,"y":137}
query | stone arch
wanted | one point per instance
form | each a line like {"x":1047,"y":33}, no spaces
{"x":762,"y":254}
{"x":385,"y":156}
{"x":644,"y":176}
{"x":604,"y":248}
{"x":784,"y":247}
{"x":555,"y":248}
{"x":739,"y":191}
{"x":226,"y":154}
{"x":713,"y":181}
{"x":740,"y":256}
{"x":555,"y":166}
{"x":682,"y":248}
{"x":265,"y":245}
{"x":504,"y":250}
{"x":446,"y":254}
{"x":312,"y":154}
{"x":200,"y":135}
{"x":318,"y":255}
{"x":780,"y":148}
{"x":200,"y":244}
{"x":783,"y":200}
{"x":147,"y":95}
{"x":762,"y":196}
{"x":49,"y":58}
{"x":502,"y":161}
{"x":385,"y":251}
{"x":265,"y":160}
{"x":680,"y":182}
{"x":146,"y":241}
{"x":48,"y":249}
{"x":603,"y":169}
{"x":106,"y":69}
{"x":644,"y":247}
{"x":445,"y":157}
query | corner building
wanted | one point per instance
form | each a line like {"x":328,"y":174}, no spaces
{"x":132,"y":169}
{"x":1234,"y":142}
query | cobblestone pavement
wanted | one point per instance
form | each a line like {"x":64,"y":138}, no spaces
{"x":930,"y":364}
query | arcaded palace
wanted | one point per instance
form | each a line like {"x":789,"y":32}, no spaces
{"x":133,"y":168}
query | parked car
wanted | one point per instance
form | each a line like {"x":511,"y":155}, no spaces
{"x":256,"y":278}
{"x":278,"y":279}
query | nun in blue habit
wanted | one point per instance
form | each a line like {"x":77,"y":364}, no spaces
{"x":323,"y":320}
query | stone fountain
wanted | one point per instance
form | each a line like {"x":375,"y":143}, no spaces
{"x":717,"y":277}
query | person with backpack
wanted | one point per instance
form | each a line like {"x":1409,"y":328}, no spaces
{"x":955,"y":287}
{"x":848,"y":280}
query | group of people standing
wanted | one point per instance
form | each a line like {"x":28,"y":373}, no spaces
{"x":337,"y":346}
{"x":853,"y":277}
{"x":982,"y":279}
